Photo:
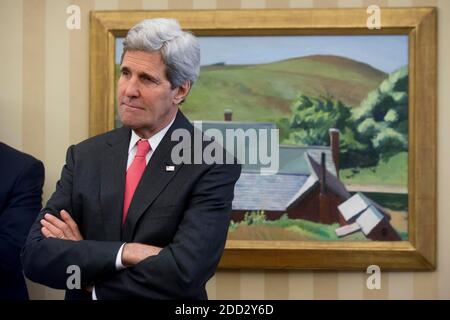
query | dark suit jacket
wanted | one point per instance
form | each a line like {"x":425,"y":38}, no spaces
{"x":21,"y":180}
{"x":185,"y":211}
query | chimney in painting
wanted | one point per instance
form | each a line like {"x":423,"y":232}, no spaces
{"x":324,"y":197}
{"x":334,"y":146}
{"x":323,"y":169}
{"x":228,"y":114}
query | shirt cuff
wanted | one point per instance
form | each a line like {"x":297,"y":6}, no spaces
{"x":119,"y":264}
{"x":94,"y":296}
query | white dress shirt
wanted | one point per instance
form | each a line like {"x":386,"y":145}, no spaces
{"x":132,"y":149}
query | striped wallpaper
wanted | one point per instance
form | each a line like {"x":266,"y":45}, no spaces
{"x":44,"y":108}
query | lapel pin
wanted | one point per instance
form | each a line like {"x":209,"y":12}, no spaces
{"x":170,"y":168}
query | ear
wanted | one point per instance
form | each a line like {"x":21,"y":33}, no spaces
{"x":181,"y":92}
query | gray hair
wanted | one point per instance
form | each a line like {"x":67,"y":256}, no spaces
{"x":180,"y":50}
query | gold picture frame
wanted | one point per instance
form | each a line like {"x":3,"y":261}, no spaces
{"x":420,"y":24}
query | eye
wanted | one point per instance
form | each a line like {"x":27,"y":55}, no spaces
{"x":124,"y":72}
{"x":148,"y":79}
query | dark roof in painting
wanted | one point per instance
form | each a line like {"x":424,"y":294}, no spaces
{"x":266,"y":192}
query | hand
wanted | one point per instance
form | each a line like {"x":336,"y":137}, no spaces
{"x":133,"y":253}
{"x":65,"y":229}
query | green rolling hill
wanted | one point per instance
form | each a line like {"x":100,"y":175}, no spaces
{"x":264,"y":92}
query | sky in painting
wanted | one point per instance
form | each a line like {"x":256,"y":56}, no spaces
{"x":386,"y":53}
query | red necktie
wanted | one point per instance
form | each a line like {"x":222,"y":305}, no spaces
{"x":134,"y":175}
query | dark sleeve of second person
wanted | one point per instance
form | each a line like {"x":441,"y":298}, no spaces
{"x":21,"y":209}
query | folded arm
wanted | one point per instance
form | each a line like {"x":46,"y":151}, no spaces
{"x":46,"y":259}
{"x":182,"y":268}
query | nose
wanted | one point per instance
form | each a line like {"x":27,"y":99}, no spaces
{"x":131,"y":89}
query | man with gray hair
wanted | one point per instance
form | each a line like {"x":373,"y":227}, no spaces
{"x":134,"y":223}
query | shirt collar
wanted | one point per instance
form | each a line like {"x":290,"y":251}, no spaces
{"x":153,"y":140}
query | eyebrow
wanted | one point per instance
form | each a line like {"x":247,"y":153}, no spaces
{"x":142,"y":74}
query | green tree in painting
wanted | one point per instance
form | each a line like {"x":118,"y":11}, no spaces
{"x":382,"y":119}
{"x":377,"y":129}
{"x":312,"y":117}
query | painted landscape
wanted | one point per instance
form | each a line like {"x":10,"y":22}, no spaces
{"x":343,"y":125}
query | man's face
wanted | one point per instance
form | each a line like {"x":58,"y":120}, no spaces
{"x":147,"y":103}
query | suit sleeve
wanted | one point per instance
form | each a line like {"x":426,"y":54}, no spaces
{"x":18,"y":216}
{"x":46,"y":260}
{"x":182,"y":268}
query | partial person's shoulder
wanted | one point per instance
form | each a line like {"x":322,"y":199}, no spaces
{"x":16,"y":157}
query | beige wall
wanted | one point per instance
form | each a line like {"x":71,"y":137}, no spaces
{"x":44,"y":109}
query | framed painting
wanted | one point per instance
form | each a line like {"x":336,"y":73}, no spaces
{"x":354,"y":110}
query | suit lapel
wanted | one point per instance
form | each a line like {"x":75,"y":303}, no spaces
{"x":113,"y":172}
{"x":155,"y":178}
